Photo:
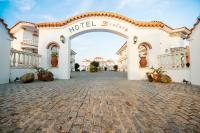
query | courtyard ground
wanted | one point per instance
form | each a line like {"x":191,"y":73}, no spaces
{"x":101,"y":102}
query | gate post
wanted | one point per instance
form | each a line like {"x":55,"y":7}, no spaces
{"x":64,"y":60}
{"x":133,"y":59}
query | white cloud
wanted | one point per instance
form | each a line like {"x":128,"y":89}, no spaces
{"x":122,"y":4}
{"x":24,"y":5}
{"x":84,"y":6}
{"x":49,"y":18}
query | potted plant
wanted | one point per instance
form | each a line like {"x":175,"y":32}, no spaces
{"x":158,"y":75}
{"x":54,"y":59}
{"x":44,"y":74}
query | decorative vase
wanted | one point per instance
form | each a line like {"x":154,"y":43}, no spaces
{"x":54,"y":61}
{"x":143,"y":62}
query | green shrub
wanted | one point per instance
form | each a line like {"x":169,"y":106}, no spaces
{"x":95,"y":63}
{"x":93,"y":68}
{"x":115,"y":67}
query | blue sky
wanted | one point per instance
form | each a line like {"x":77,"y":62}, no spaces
{"x":175,"y":13}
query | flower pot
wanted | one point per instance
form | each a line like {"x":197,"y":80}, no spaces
{"x":40,"y":76}
{"x":143,"y":62}
{"x":149,"y":76}
{"x":54,"y":61}
{"x":157,"y":77}
{"x":45,"y":76}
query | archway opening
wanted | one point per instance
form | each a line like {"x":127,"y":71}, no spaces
{"x":100,"y":46}
{"x":53,"y":54}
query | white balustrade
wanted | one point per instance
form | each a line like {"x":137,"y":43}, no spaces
{"x":172,"y":61}
{"x":30,"y":42}
{"x":21,"y":59}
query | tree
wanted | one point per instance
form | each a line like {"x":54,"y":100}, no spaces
{"x":115,"y":67}
{"x":77,"y":66}
{"x":94,"y":66}
{"x":95,"y":63}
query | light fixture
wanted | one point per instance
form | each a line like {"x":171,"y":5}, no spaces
{"x":135,"y":38}
{"x":62,"y":39}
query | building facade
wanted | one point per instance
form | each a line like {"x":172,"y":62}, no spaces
{"x":26,"y":40}
{"x":26,"y":37}
{"x":148,"y":43}
{"x":5,"y":44}
{"x":104,"y":65}
{"x":85,"y":65}
{"x":122,"y":58}
{"x":148,"y":56}
{"x":194,"y":39}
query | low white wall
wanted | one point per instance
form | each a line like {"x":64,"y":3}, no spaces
{"x":179,"y":75}
{"x":16,"y":72}
{"x":55,"y":72}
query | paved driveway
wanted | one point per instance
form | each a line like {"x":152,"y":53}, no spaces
{"x":97,"y":103}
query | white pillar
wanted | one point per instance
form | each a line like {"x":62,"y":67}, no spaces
{"x":133,"y":60}
{"x":64,"y":60}
{"x":150,"y":58}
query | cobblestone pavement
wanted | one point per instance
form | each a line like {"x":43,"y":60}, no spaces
{"x":99,"y":104}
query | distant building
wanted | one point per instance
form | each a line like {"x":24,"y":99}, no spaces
{"x":122,"y":58}
{"x":101,"y":62}
{"x":86,"y":64}
{"x":110,"y":65}
{"x":103,"y":65}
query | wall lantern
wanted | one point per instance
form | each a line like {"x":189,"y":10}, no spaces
{"x":135,"y":38}
{"x":62,"y":39}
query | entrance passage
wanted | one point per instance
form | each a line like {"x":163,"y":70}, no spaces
{"x":99,"y":75}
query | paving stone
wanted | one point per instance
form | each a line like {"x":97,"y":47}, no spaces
{"x":105,"y":103}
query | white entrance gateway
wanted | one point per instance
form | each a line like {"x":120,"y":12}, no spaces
{"x":160,"y":36}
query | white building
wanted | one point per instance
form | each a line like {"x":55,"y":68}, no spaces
{"x":151,"y":43}
{"x":110,"y":65}
{"x":5,"y":44}
{"x":103,"y":65}
{"x":194,"y":53}
{"x":146,"y":54}
{"x":122,"y":58}
{"x":86,"y":64}
{"x":26,"y":34}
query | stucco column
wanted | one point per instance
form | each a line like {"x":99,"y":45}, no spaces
{"x":64,"y":60}
{"x":133,"y":60}
{"x":150,"y":58}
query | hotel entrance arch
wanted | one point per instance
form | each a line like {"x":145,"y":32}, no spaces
{"x":62,"y":32}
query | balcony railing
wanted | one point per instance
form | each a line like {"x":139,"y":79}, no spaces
{"x":20,"y":59}
{"x":172,"y":61}
{"x":29,"y":42}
